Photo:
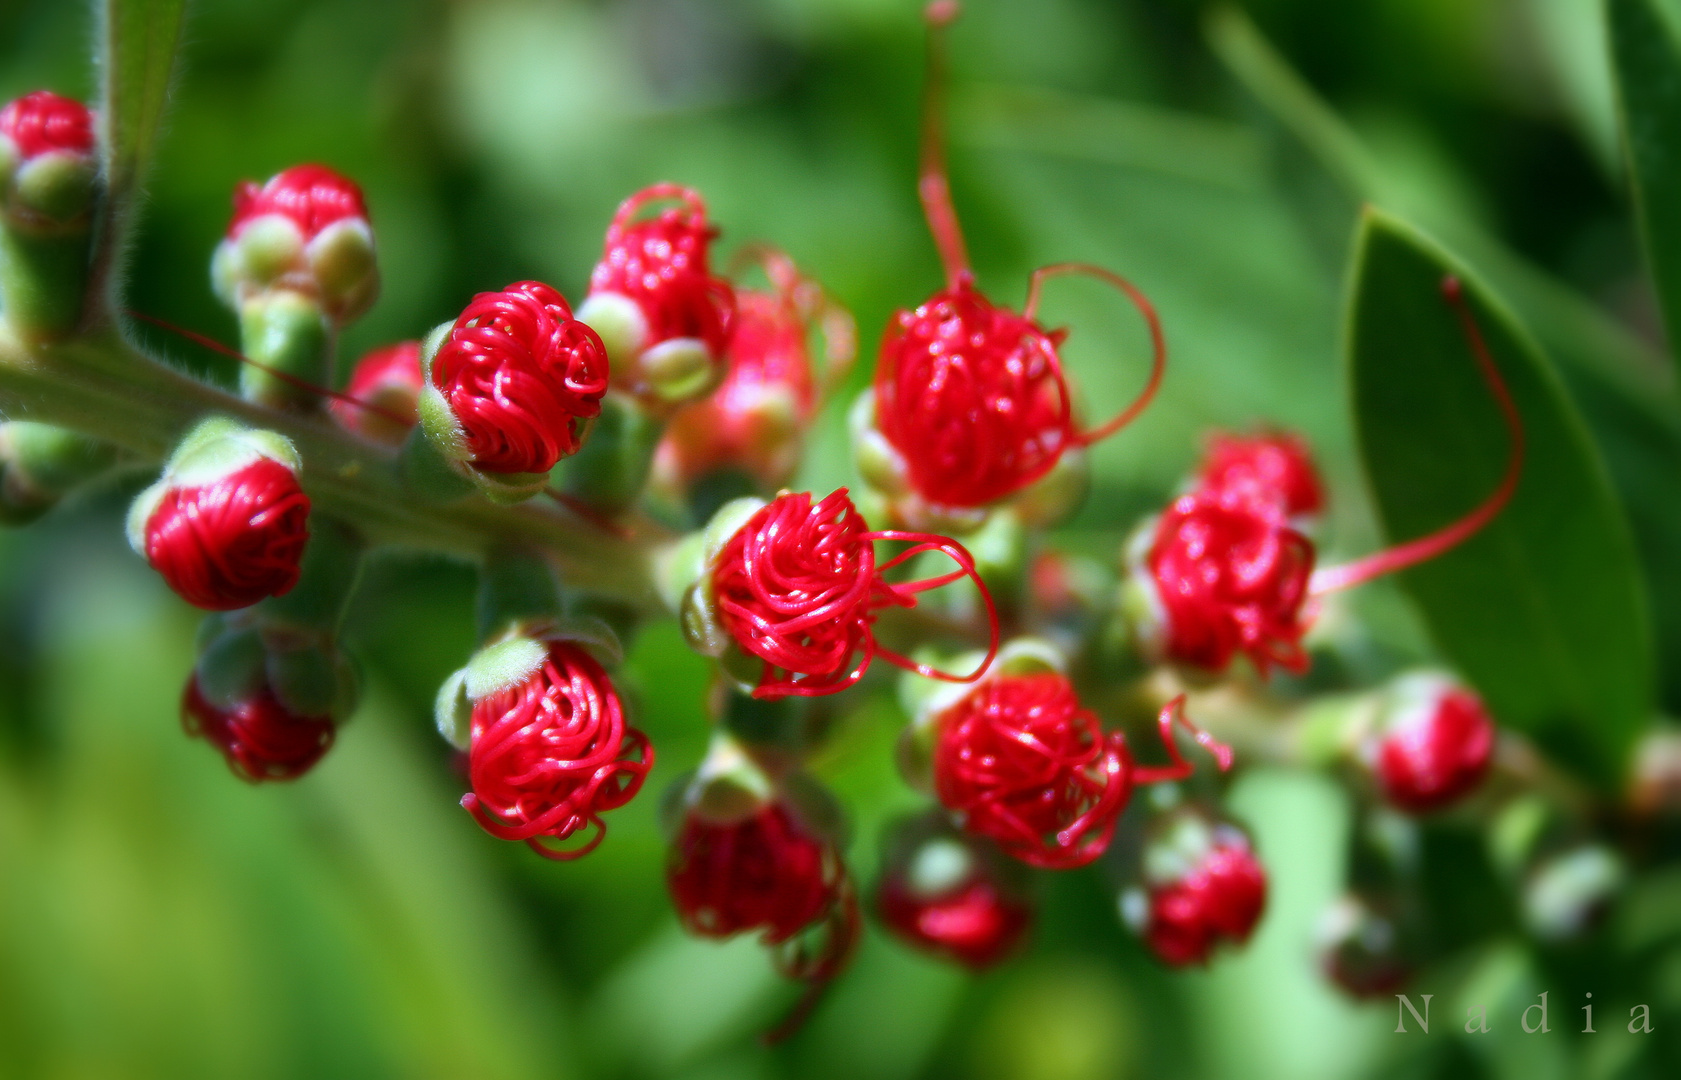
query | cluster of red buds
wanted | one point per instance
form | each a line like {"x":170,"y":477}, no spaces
{"x":671,"y":375}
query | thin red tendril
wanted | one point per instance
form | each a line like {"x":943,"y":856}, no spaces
{"x":550,"y":755}
{"x":798,"y":586}
{"x":286,"y":377}
{"x":1174,"y":711}
{"x":232,"y":542}
{"x":1158,"y":340}
{"x":521,"y":375}
{"x":42,"y":122}
{"x":932,"y":184}
{"x":1425,"y":548}
{"x":258,"y":737}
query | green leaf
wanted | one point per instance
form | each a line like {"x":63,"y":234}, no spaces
{"x":138,"y":40}
{"x":1646,"y":50}
{"x":1544,"y":610}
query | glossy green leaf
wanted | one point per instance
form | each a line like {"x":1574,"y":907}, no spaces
{"x":1646,"y":50}
{"x":137,"y":46}
{"x":1544,"y":610}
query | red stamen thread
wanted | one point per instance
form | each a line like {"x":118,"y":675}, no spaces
{"x":768,"y":873}
{"x":1425,"y":548}
{"x":42,"y":122}
{"x":258,"y":737}
{"x":1222,"y":899}
{"x":1232,"y":576}
{"x":769,"y":393}
{"x":379,"y":401}
{"x":1436,"y":755}
{"x":521,"y":376}
{"x":311,"y":196}
{"x":1021,"y":762}
{"x":1275,"y":469}
{"x":336,"y":399}
{"x":973,"y":395}
{"x":798,"y":586}
{"x":232,"y":542}
{"x":662,"y":264}
{"x":550,"y":755}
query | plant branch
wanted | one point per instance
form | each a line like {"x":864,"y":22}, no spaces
{"x":104,"y":386}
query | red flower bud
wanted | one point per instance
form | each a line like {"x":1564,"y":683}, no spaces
{"x":42,"y":123}
{"x":1435,"y":748}
{"x":225,"y":537}
{"x":1019,"y":761}
{"x":519,"y":375}
{"x":259,"y":738}
{"x":388,"y":381}
{"x":551,"y":753}
{"x":661,"y":266}
{"x":312,"y":197}
{"x":952,"y":895}
{"x":1230,"y":576}
{"x":765,"y":872}
{"x":1273,"y":469}
{"x":798,"y":587}
{"x":1363,"y":949}
{"x":1220,"y":897}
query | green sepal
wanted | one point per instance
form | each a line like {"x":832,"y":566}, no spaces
{"x":729,"y":786}
{"x":312,"y":680}
{"x":428,"y":474}
{"x":231,"y":664}
{"x":502,"y":665}
{"x":331,"y":565}
{"x":453,"y":713}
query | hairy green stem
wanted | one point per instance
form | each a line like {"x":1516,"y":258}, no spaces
{"x":104,"y":386}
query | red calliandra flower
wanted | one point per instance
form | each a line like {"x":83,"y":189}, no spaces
{"x":1275,"y":469}
{"x":387,"y":383}
{"x":1226,"y":573}
{"x":765,"y":872}
{"x":227,"y":522}
{"x":1435,"y":747}
{"x":1020,"y":761}
{"x":42,"y":122}
{"x":661,"y":267}
{"x":798,"y":586}
{"x":519,"y":377}
{"x":551,"y":753}
{"x":755,"y":418}
{"x":305,"y":231}
{"x":259,"y":737}
{"x":1231,"y":576}
{"x":1217,"y":895}
{"x":952,"y":894}
{"x":972,"y":395}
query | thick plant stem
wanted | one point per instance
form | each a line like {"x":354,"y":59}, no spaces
{"x":105,"y":387}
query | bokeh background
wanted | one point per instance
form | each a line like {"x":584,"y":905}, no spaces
{"x":159,"y":918}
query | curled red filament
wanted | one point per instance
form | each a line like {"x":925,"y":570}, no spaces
{"x":553,"y":753}
{"x":1436,"y":755}
{"x":43,"y":122}
{"x":260,"y":739}
{"x":1450,"y":536}
{"x":971,"y":394}
{"x":230,"y":543}
{"x":662,"y":264}
{"x":1021,"y":762}
{"x":1221,"y":899}
{"x":380,"y":399}
{"x":798,"y":586}
{"x":1231,"y":576}
{"x":754,"y":419}
{"x":1275,"y":469}
{"x":312,"y":197}
{"x":521,"y":375}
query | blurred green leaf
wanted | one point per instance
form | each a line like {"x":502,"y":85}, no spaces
{"x":1543,"y":610}
{"x":137,"y":45}
{"x":1646,"y":45}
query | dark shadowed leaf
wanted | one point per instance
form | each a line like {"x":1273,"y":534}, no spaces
{"x":1543,"y":611}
